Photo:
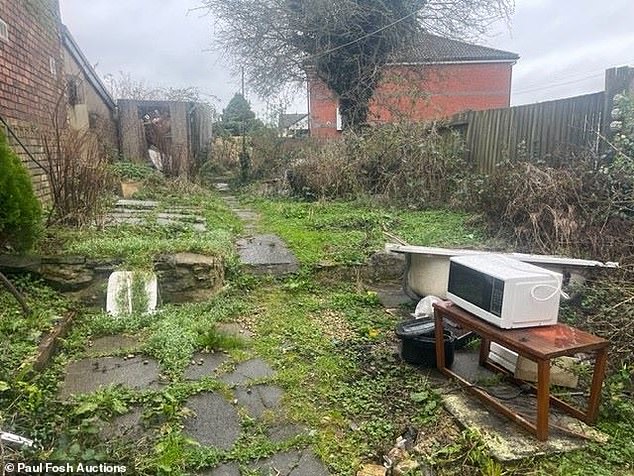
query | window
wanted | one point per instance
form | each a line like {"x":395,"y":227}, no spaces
{"x":73,"y":90}
{"x":4,"y":31}
{"x":52,"y":64}
{"x":339,"y":119}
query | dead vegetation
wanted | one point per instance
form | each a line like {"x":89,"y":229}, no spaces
{"x":567,"y":210}
{"x":79,"y":176}
{"x":406,"y":164}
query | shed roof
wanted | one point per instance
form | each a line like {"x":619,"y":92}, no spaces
{"x":288,"y":120}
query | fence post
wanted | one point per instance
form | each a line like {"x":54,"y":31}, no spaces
{"x":617,"y":81}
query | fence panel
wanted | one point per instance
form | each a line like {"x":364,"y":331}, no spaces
{"x":543,"y":130}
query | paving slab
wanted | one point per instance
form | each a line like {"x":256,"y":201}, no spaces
{"x":392,"y":296}
{"x":89,"y":375}
{"x":507,"y":441}
{"x":267,"y":254}
{"x":222,"y":186}
{"x":282,"y":431}
{"x":127,"y":427}
{"x":259,"y":398}
{"x":227,"y":469}
{"x":291,"y":463}
{"x":204,"y":365}
{"x":254,"y":369}
{"x":214,"y":422}
{"x":112,"y":344}
{"x":137,"y":203}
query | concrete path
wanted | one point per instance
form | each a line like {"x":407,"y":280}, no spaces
{"x":213,"y":418}
{"x":259,"y":253}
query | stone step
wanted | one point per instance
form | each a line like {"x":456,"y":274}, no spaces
{"x":267,"y":254}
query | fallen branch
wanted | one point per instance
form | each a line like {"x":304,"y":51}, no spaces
{"x":392,"y":236}
{"x":16,"y":294}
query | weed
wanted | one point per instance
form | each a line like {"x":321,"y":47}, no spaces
{"x":212,"y":339}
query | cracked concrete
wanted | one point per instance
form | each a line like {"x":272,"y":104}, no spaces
{"x":259,"y":398}
{"x":291,"y":463}
{"x":267,"y":254}
{"x":204,"y":365}
{"x":113,"y":344}
{"x":214,"y":422}
{"x":228,"y":469}
{"x":90,"y":375}
{"x":254,"y":369}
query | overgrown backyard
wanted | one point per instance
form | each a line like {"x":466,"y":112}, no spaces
{"x":318,"y":348}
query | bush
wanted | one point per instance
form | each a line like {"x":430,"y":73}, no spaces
{"x":413,"y":165}
{"x":126,"y":170}
{"x":20,"y":211}
{"x":568,"y":210}
{"x":271,"y":155}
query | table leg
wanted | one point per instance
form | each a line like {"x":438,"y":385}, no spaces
{"x":485,"y":348}
{"x":597,"y":382}
{"x":543,"y":398}
{"x":440,"y":340}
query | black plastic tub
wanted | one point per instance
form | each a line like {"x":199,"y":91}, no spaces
{"x":418,"y":343}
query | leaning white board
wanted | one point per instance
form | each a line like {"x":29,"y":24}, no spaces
{"x":119,"y":299}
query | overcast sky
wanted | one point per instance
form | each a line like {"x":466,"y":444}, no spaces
{"x":564,"y":45}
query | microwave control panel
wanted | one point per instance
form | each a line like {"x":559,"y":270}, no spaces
{"x":496,"y":297}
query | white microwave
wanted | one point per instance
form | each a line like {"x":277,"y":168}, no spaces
{"x":503,"y":291}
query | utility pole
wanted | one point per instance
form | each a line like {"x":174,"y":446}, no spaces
{"x":244,"y":157}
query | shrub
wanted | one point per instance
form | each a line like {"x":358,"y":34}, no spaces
{"x":271,"y":155}
{"x":413,"y":165}
{"x":127,"y":170}
{"x":20,"y":211}
{"x":79,"y":174}
{"x":569,"y":210}
{"x":584,"y":206}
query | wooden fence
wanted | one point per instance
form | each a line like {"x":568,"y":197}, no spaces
{"x":543,"y":130}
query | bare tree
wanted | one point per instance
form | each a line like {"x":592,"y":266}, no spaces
{"x":124,"y":86}
{"x":344,"y":43}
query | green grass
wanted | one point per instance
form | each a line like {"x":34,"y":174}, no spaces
{"x":348,"y":232}
{"x":340,"y":376}
{"x":137,"y":245}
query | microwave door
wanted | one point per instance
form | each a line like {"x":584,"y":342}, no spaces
{"x":479,"y":289}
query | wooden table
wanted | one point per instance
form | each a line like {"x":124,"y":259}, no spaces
{"x":539,"y":344}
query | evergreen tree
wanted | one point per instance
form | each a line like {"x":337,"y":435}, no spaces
{"x":20,"y":211}
{"x":238,"y":118}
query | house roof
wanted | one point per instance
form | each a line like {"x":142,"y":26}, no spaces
{"x":73,"y":48}
{"x":288,"y":120}
{"x":437,"y":49}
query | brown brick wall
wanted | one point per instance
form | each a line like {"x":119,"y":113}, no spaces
{"x":28,"y":88}
{"x":31,"y":137}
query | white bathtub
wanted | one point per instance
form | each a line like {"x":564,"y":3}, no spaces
{"x":427,"y":271}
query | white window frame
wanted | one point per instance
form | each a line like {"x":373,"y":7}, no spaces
{"x":52,"y":64}
{"x":339,"y":120}
{"x":4,"y":31}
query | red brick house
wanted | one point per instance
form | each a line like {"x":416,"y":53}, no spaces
{"x":438,"y":78}
{"x":30,"y":75}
